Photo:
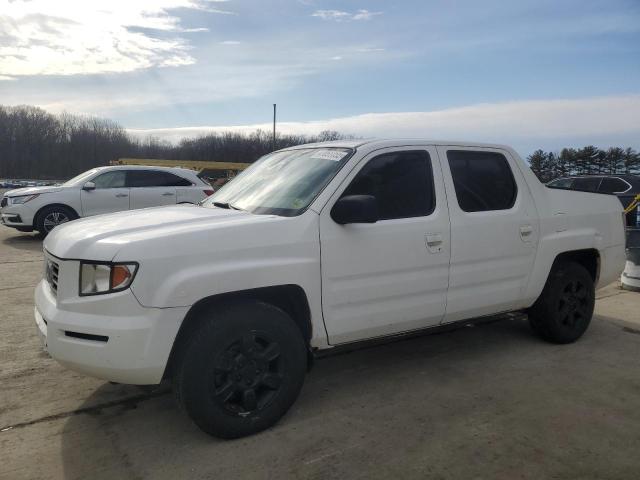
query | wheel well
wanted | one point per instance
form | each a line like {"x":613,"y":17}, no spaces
{"x":589,"y":259}
{"x":289,"y":298}
{"x":35,"y":217}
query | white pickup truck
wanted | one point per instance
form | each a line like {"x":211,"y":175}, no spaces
{"x":317,"y":247}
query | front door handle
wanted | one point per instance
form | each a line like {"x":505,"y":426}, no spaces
{"x":121,"y":195}
{"x":168,"y":194}
{"x":433,"y":242}
{"x":525,"y":232}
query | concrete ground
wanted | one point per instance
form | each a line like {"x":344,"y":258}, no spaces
{"x":484,"y":402}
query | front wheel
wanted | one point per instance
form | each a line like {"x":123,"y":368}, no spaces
{"x":241,"y":370}
{"x":51,"y":217}
{"x":565,"y":307}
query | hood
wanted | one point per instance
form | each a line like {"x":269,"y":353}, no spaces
{"x":32,"y":190}
{"x":102,"y":236}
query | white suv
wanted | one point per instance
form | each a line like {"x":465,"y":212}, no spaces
{"x":97,"y":191}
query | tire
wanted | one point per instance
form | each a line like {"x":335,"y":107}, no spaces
{"x":50,"y":217}
{"x":241,"y":369}
{"x":563,"y":311}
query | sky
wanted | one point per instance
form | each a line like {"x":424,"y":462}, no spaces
{"x":530,"y":73}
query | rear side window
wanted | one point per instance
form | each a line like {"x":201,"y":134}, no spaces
{"x":483,"y":180}
{"x":155,"y":178}
{"x":613,"y":185}
{"x":402,"y":182}
{"x":586,"y":184}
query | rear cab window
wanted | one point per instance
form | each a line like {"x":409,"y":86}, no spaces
{"x":483,"y":180}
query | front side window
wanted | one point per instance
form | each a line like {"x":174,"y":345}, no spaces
{"x":586,"y":184}
{"x":561,"y":183}
{"x":402,"y":183}
{"x":113,"y":179}
{"x":483,"y":180}
{"x":282,"y":183}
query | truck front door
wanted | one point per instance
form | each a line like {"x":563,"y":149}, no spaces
{"x":390,"y":276}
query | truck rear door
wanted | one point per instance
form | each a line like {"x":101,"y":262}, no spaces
{"x":494,"y":231}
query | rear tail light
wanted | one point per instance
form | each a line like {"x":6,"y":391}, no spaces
{"x":208,"y":192}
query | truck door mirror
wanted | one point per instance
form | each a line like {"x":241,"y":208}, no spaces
{"x":89,"y":186}
{"x":355,"y":209}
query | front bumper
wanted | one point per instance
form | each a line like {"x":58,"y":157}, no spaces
{"x":107,"y":336}
{"x":17,"y":216}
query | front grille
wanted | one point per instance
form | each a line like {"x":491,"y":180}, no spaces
{"x":51,"y":273}
{"x":3,"y":202}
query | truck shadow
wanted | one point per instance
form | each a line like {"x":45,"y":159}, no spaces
{"x":346,"y":398}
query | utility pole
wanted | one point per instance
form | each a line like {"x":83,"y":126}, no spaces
{"x":274,"y":127}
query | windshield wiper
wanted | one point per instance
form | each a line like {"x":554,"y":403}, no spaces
{"x":226,"y":205}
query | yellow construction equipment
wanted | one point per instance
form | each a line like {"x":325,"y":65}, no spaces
{"x":634,"y":203}
{"x":230,"y":167}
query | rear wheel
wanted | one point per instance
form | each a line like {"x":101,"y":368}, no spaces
{"x":50,"y":217}
{"x":563,"y":312}
{"x":241,"y":370}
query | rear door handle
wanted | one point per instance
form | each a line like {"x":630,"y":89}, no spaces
{"x":121,"y":195}
{"x":433,"y":242}
{"x":168,"y":194}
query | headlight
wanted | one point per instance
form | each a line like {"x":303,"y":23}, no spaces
{"x":23,"y":199}
{"x":97,"y":278}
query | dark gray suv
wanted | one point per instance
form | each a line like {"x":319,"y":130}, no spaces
{"x":625,"y":187}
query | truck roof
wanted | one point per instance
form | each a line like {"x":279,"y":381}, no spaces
{"x":376,"y":143}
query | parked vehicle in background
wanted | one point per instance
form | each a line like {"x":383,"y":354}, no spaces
{"x":97,"y":191}
{"x":625,"y":187}
{"x":314,"y":248}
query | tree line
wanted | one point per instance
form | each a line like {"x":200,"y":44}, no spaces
{"x":37,"y":144}
{"x":589,"y":160}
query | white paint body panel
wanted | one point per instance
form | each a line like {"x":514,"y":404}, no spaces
{"x":360,"y":281}
{"x":380,"y":279}
{"x":490,"y":259}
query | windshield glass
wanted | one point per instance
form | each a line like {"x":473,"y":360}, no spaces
{"x":79,"y":178}
{"x":282,"y":183}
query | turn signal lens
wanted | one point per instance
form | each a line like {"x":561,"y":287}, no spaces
{"x":120,"y":276}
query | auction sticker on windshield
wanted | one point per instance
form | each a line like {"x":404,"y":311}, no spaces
{"x":333,"y":155}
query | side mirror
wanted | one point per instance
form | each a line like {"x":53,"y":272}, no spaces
{"x":89,"y":186}
{"x":355,"y":209}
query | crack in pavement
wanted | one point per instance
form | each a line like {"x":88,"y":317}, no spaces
{"x":2,"y":289}
{"x":20,"y":261}
{"x":131,"y":402}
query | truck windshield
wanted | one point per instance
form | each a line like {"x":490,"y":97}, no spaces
{"x":281,"y":183}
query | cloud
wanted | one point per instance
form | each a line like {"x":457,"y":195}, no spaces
{"x":525,"y":124}
{"x":342,"y":16}
{"x":365,"y":15}
{"x":43,"y":37}
{"x":230,"y":42}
